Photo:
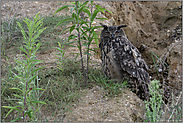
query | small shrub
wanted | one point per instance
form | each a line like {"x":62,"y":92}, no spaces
{"x":83,"y":26}
{"x":154,"y":105}
{"x":28,"y":91}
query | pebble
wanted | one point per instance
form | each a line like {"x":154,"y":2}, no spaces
{"x":160,"y":70}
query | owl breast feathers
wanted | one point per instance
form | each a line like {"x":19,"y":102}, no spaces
{"x":121,"y":60}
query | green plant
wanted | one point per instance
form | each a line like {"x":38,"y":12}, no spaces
{"x":176,"y":109}
{"x":165,"y":65}
{"x":83,"y":25}
{"x":60,"y":55}
{"x":28,"y":91}
{"x":154,"y":105}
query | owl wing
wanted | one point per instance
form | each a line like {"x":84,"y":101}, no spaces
{"x":130,"y":60}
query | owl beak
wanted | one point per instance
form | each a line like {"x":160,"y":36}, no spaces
{"x":112,"y":36}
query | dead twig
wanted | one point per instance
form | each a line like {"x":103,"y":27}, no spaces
{"x":167,"y":53}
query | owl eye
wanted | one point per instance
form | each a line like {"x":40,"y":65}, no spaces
{"x":107,"y":32}
{"x":117,"y":31}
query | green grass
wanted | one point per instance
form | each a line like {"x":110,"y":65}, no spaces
{"x":62,"y":89}
{"x":12,"y":36}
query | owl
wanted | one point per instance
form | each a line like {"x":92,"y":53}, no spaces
{"x":122,"y":61}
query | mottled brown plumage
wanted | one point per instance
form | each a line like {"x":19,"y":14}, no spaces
{"x":122,"y":60}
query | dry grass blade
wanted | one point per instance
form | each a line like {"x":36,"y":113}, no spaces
{"x":174,"y":108}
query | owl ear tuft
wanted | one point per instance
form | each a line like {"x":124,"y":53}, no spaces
{"x":121,"y":26}
{"x":105,"y":26}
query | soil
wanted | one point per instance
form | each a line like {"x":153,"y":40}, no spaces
{"x":152,"y":26}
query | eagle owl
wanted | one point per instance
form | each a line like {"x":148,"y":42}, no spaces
{"x":121,"y":60}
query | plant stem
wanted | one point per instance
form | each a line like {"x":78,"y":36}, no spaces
{"x":25,"y":99}
{"x":80,"y":49}
{"x":89,"y":43}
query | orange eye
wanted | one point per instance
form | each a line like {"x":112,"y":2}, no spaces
{"x":107,"y":32}
{"x":117,"y":31}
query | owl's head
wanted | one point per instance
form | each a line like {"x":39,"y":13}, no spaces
{"x":113,"y":31}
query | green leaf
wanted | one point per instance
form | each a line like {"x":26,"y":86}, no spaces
{"x":30,"y":79}
{"x":21,"y":103}
{"x":64,"y":21}
{"x":63,"y":30}
{"x":59,"y":44}
{"x":84,"y":31}
{"x":74,"y":15}
{"x":34,"y":89}
{"x":63,"y":7}
{"x":72,"y":45}
{"x":37,"y":69}
{"x":38,"y":23}
{"x":85,"y":44}
{"x":59,"y":49}
{"x":16,"y":89}
{"x":13,"y":108}
{"x":29,"y":113}
{"x":60,"y":67}
{"x":98,"y":6}
{"x":72,"y":9}
{"x":82,"y":6}
{"x":96,"y":27}
{"x":84,"y":3}
{"x":19,"y":118}
{"x":92,"y":50}
{"x":83,"y":22}
{"x":37,"y":46}
{"x":94,"y":14}
{"x":18,"y":96}
{"x":73,"y":3}
{"x":109,"y":11}
{"x":37,"y":34}
{"x":23,"y":32}
{"x":40,"y":89}
{"x":87,"y":12}
{"x":68,"y":43}
{"x":102,"y":18}
{"x":36,"y":60}
{"x":20,"y":63}
{"x":72,"y":28}
{"x":36,"y":101}
{"x":21,"y":48}
{"x":90,"y":39}
{"x":8,"y":113}
{"x":87,"y":53}
{"x":21,"y":77}
{"x":96,"y":38}
{"x":72,"y":36}
{"x":102,"y":9}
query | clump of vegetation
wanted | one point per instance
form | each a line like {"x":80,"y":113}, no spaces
{"x":155,"y":103}
{"x":83,"y":25}
{"x":157,"y":110}
{"x":28,"y":91}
